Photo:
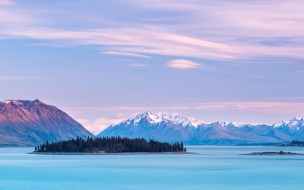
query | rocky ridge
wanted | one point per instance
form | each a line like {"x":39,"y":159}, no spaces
{"x":27,"y":123}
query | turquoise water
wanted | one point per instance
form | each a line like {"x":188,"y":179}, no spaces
{"x":210,"y":168}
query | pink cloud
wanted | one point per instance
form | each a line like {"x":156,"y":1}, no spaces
{"x":258,"y":109}
{"x":236,"y":33}
{"x":137,"y":65}
{"x":125,"y":54}
{"x":95,"y":126}
{"x":182,"y":64}
{"x":130,"y":42}
{"x":6,"y":2}
{"x":241,"y":25}
{"x":282,"y":107}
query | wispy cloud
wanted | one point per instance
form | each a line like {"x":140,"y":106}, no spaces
{"x":255,"y":28}
{"x":22,"y":78}
{"x":125,"y":54}
{"x":270,"y":106}
{"x":182,"y":64}
{"x":137,"y":41}
{"x":137,"y":65}
{"x":119,"y":40}
{"x":97,"y":125}
{"x":6,"y":2}
{"x":243,"y":30}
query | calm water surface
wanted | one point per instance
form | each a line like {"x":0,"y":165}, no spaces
{"x":211,"y":168}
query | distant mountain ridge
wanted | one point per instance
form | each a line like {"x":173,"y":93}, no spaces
{"x":25,"y":122}
{"x":171,"y":128}
{"x":28,"y":123}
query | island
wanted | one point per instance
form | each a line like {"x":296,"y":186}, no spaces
{"x":273,"y":153}
{"x":108,"y":145}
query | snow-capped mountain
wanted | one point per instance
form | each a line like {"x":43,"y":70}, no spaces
{"x":294,"y":127}
{"x":155,"y":126}
{"x":294,"y":123}
{"x":160,"y":117}
{"x":164,"y":127}
{"x":24,"y":122}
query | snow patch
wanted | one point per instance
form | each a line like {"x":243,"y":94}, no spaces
{"x":163,"y":117}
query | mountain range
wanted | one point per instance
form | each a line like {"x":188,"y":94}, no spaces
{"x":28,"y":123}
{"x":172,"y":128}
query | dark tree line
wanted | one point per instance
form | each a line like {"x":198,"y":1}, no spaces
{"x":110,"y":144}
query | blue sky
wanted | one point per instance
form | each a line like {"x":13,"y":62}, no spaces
{"x":105,"y":61}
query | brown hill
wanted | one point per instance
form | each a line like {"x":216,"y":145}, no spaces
{"x":26,"y":123}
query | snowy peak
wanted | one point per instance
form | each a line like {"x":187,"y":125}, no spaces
{"x":18,"y":102}
{"x":294,"y":123}
{"x":146,"y":116}
{"x":297,"y":120}
{"x":180,"y":120}
{"x":228,"y":124}
{"x":279,"y":124}
{"x":172,"y":128}
{"x":152,"y":118}
{"x":231,"y":124}
{"x":22,"y":103}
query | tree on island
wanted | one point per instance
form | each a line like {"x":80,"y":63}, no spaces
{"x":110,"y":144}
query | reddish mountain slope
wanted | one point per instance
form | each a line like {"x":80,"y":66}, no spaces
{"x":24,"y":122}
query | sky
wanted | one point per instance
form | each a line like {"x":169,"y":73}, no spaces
{"x":105,"y":61}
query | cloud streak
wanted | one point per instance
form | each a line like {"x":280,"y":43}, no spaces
{"x":255,"y":28}
{"x":7,"y":2}
{"x":270,"y":106}
{"x":137,"y":65}
{"x":137,"y":41}
{"x":119,"y":41}
{"x":182,"y":64}
{"x":243,"y":30}
{"x":125,"y":54}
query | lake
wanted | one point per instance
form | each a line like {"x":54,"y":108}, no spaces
{"x":212,"y":167}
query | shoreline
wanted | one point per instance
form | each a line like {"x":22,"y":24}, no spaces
{"x":105,"y":153}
